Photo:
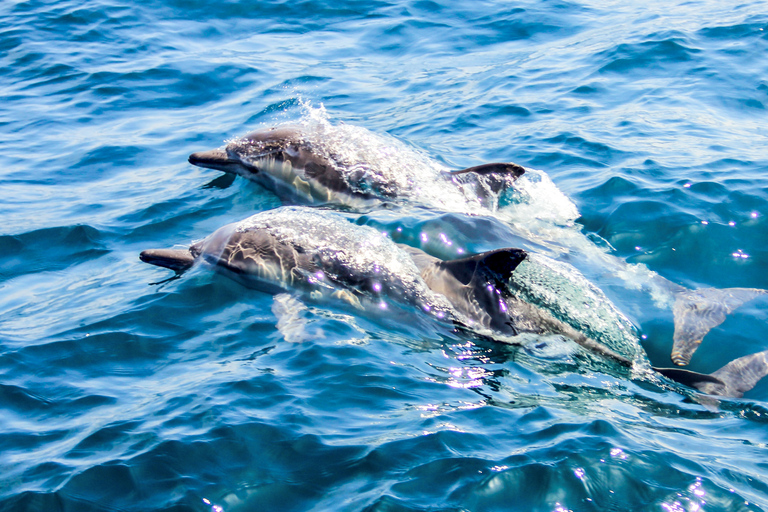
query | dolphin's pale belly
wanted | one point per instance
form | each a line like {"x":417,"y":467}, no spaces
{"x":283,"y":173}
{"x":286,"y":179}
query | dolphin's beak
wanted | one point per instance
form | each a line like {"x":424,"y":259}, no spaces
{"x":174,"y":259}
{"x":215,"y":159}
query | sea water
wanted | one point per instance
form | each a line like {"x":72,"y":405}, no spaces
{"x":643,"y":125}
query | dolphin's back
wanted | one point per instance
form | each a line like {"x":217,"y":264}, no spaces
{"x":479,"y":287}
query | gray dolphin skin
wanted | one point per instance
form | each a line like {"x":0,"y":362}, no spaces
{"x":298,"y":166}
{"x":504,"y":292}
{"x":280,"y":160}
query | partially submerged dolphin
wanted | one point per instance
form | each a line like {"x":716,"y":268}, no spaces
{"x":298,"y":165}
{"x":322,"y":167}
{"x":504,"y":293}
{"x":315,"y":252}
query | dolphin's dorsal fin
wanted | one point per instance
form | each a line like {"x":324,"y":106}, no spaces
{"x":470,"y":284}
{"x":419,"y":257}
{"x":174,"y":259}
{"x":508,"y":169}
{"x":500,"y":262}
{"x":493,"y":178}
{"x":732,"y":380}
{"x":698,"y":311}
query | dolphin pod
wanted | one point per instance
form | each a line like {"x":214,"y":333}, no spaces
{"x":502,"y":293}
{"x":300,"y":165}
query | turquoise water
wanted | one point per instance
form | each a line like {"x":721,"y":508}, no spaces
{"x":192,"y":395}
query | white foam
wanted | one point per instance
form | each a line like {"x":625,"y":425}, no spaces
{"x":538,"y":211}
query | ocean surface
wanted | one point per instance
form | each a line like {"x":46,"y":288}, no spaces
{"x":644,"y":124}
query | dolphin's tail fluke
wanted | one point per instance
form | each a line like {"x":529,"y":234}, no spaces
{"x":698,"y":311}
{"x":732,"y":380}
{"x":174,"y":259}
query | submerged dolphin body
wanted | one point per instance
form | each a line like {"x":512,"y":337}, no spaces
{"x":298,"y":165}
{"x":505,"y":292}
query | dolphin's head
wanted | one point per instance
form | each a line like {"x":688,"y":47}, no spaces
{"x":250,"y":155}
{"x":218,"y":159}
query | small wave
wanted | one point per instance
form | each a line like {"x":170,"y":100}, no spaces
{"x":49,"y":250}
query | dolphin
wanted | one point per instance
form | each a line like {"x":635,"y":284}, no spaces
{"x":299,"y":166}
{"x":501,"y":293}
{"x":317,"y":253}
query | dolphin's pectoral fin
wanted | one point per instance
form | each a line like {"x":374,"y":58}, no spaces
{"x":698,"y":311}
{"x":348,"y":297}
{"x":222,"y":182}
{"x":292,"y":321}
{"x":174,"y":259}
{"x":732,"y":380}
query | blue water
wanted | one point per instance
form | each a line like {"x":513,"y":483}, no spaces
{"x":121,"y":394}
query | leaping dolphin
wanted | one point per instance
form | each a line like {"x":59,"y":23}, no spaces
{"x":506,"y":292}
